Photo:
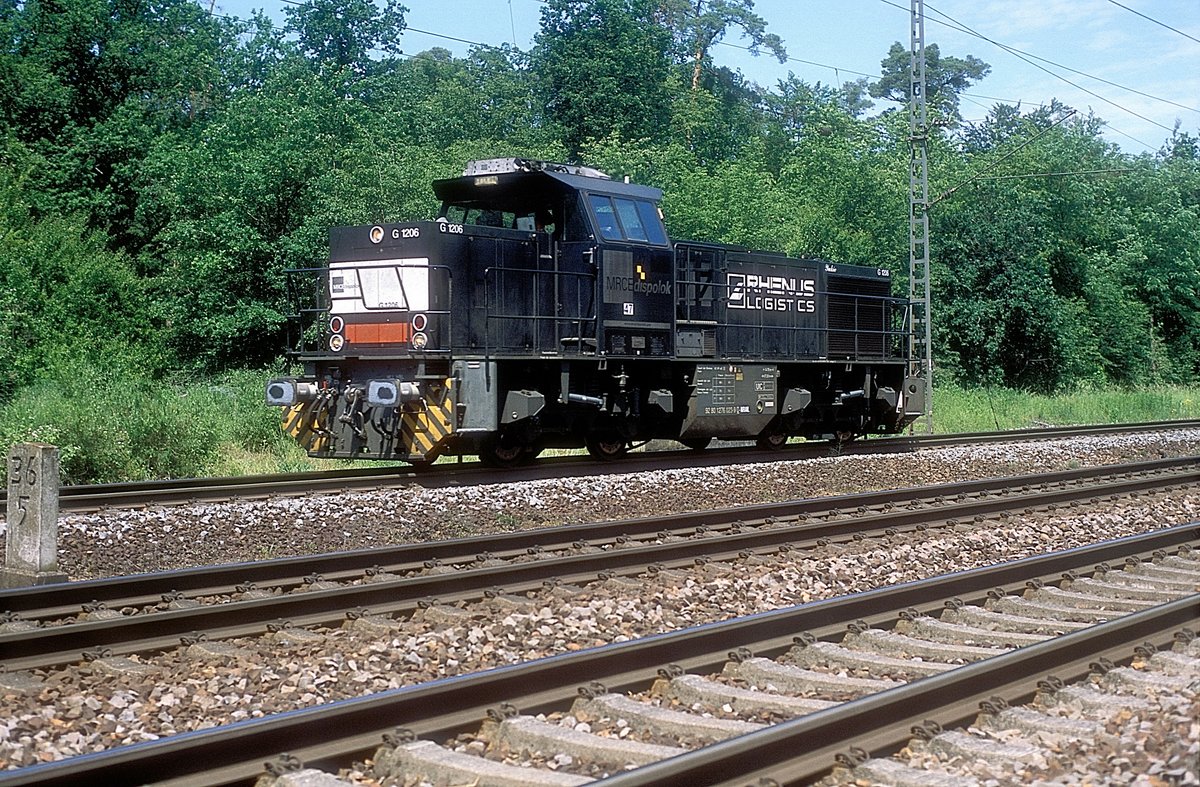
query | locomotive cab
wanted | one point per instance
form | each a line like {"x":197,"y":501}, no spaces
{"x":547,"y":306}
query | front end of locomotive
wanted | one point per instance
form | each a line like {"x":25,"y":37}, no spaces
{"x":376,"y":381}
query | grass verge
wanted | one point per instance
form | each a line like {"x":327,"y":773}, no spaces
{"x":112,"y":425}
{"x":992,"y":409}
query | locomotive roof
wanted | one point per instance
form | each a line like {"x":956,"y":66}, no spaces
{"x":521,"y":183}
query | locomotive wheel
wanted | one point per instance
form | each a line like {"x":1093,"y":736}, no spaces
{"x":771,"y":441}
{"x":499,"y":451}
{"x":606,"y":446}
{"x":696,"y":443}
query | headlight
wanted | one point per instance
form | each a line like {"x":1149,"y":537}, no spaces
{"x":336,"y":342}
{"x":391,"y":393}
{"x":281,"y":393}
{"x":286,"y":392}
{"x":419,"y":340}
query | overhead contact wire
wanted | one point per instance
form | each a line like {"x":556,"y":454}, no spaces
{"x":1155,"y":21}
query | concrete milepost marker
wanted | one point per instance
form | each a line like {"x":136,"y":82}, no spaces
{"x":31,"y":537}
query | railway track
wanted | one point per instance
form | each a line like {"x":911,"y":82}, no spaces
{"x":82,"y":499}
{"x":50,"y":625}
{"x":774,"y":696}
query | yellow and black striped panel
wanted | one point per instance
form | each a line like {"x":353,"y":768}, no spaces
{"x":299,"y":421}
{"x":424,"y":433}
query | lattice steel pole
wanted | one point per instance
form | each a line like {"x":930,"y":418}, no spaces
{"x":920,"y":345}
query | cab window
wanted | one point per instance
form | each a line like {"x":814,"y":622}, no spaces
{"x":606,"y":217}
{"x":480,"y":216}
{"x":630,"y":221}
{"x":623,"y":218}
{"x":652,"y":221}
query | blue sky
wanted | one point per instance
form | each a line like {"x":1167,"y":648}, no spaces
{"x":845,"y":39}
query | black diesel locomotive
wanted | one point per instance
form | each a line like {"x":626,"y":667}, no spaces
{"x":546,"y":307}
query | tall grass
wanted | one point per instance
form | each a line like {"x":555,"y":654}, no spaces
{"x":990,"y":409}
{"x":111,"y":424}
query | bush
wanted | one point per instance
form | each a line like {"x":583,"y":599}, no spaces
{"x":65,"y":295}
{"x":113,"y":422}
{"x":110,"y":423}
{"x":233,"y":402}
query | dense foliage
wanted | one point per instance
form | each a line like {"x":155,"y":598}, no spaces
{"x":160,"y":167}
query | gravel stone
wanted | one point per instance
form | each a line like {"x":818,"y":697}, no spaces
{"x":127,"y":541}
{"x":81,"y":709}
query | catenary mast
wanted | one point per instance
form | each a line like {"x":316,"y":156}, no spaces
{"x":920,"y":346}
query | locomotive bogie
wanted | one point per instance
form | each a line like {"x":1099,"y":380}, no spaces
{"x":547,"y":308}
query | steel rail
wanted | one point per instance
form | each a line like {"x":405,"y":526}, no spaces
{"x":802,"y":750}
{"x":83,"y":498}
{"x":56,"y":645}
{"x":140,"y":589}
{"x":331,"y":736}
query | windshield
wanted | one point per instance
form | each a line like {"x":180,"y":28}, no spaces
{"x":530,"y":220}
{"x":624,"y":218}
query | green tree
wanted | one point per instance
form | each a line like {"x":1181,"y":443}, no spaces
{"x":64,"y":294}
{"x":228,"y":203}
{"x":945,"y":78}
{"x":88,"y":85}
{"x":340,"y":35}
{"x":602,"y":69}
{"x":698,"y":25}
{"x":718,"y":121}
{"x":1164,"y":211}
{"x":797,"y":107}
{"x":434,"y":98}
{"x":1041,"y":266}
{"x":996,"y":312}
{"x":733,"y":201}
{"x":854,"y":97}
